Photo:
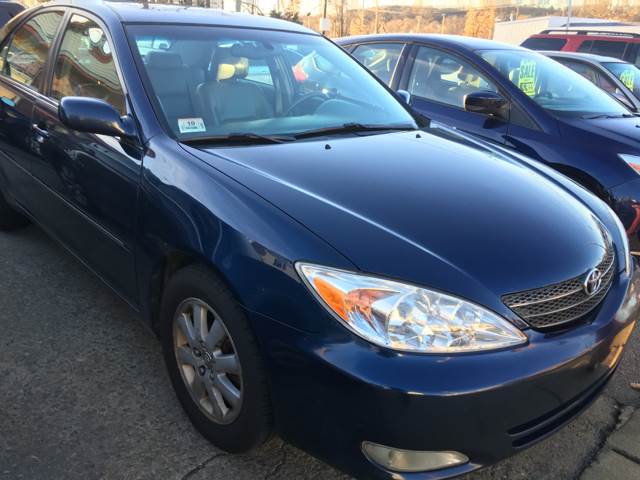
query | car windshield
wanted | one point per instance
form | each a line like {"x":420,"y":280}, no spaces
{"x":243,"y":84}
{"x":628,"y":74}
{"x":554,"y":87}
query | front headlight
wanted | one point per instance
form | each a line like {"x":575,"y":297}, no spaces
{"x":408,"y":318}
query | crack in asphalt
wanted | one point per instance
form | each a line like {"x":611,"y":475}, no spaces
{"x":200,"y":466}
{"x":626,"y":455}
{"x":278,"y":466}
{"x":618,"y":411}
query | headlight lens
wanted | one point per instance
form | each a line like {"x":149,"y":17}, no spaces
{"x":408,"y":318}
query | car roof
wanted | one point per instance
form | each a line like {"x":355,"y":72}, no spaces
{"x":136,"y":12}
{"x":582,"y":56}
{"x":466,"y":43}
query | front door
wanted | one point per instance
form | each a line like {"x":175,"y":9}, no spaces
{"x":439,"y":82}
{"x":89,"y":183}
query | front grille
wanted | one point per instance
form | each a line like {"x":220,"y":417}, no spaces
{"x":563,"y":302}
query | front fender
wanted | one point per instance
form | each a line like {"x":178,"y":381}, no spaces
{"x":189,"y":207}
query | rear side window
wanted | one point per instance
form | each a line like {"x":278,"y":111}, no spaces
{"x":544,"y":43}
{"x":585,"y":46}
{"x":583,"y":69}
{"x":380,"y":58}
{"x":609,"y":48}
{"x":85,"y":65}
{"x":259,"y":72}
{"x":29,"y":48}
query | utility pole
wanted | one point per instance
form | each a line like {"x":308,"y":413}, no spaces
{"x":377,"y":17}
{"x":324,"y":19}
{"x":444,"y":15}
{"x":569,"y":12}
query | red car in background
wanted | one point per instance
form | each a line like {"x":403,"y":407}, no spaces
{"x":625,"y":46}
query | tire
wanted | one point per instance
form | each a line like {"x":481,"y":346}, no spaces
{"x":9,"y":218}
{"x":247,"y":424}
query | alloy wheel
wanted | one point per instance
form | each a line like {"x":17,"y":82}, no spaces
{"x":207,"y":360}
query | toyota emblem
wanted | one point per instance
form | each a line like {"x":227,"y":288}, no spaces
{"x":592,"y":282}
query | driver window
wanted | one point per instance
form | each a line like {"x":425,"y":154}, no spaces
{"x":85,"y":65}
{"x":445,"y":78}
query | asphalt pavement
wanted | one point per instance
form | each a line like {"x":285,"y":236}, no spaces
{"x":84,"y":393}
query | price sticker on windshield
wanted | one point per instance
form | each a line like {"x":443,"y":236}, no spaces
{"x":191,"y":125}
{"x":527,"y":77}
{"x":627,"y":77}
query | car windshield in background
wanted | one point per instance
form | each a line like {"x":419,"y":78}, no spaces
{"x":255,"y":85}
{"x":628,"y":74}
{"x":553,"y":86}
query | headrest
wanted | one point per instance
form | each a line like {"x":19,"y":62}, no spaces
{"x":448,"y":66}
{"x":230,"y":66}
{"x":164,"y":60}
{"x":467,"y":77}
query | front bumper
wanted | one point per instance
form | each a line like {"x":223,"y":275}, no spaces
{"x":331,"y":394}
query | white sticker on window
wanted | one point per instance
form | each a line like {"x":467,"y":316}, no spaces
{"x":191,"y":125}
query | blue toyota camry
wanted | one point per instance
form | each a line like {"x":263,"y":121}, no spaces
{"x":317,"y":262}
{"x":518,"y":98}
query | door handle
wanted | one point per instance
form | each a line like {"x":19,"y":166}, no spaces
{"x":41,"y":133}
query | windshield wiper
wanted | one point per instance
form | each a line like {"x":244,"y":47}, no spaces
{"x":239,"y":138}
{"x":352,"y":128}
{"x":606,"y":115}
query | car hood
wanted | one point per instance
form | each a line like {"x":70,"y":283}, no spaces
{"x":434,"y":210}
{"x":624,"y":130}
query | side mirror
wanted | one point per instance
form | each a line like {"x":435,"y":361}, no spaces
{"x":95,"y":116}
{"x":487,"y":103}
{"x":404,"y":96}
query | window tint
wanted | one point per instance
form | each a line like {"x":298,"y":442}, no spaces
{"x":380,"y":58}
{"x":440,"y":76}
{"x":609,"y":48}
{"x":27,"y":54}
{"x":585,"y":46}
{"x":542,"y":43}
{"x":85,"y":66}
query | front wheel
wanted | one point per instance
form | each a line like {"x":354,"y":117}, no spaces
{"x":214,"y":362}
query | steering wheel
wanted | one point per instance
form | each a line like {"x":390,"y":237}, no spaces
{"x":304,"y":99}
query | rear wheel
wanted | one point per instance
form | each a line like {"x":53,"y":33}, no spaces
{"x":9,"y":218}
{"x":214,"y":362}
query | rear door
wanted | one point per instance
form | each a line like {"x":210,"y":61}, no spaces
{"x":23,"y":59}
{"x":88,"y":183}
{"x":439,"y":80}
